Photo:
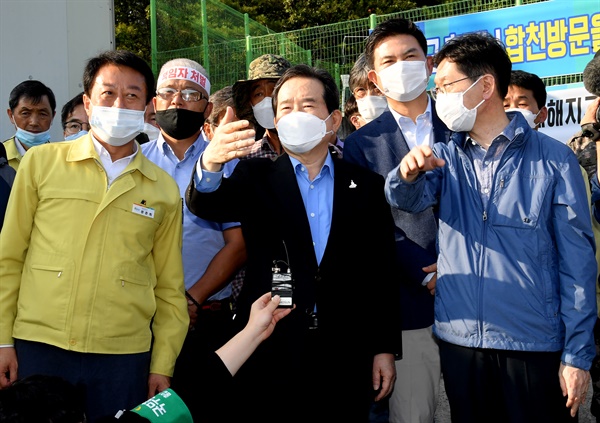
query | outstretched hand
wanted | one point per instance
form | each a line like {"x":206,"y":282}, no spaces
{"x":419,"y":159}
{"x":265,"y":315}
{"x":231,"y":140}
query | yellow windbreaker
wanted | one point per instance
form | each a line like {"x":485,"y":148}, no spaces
{"x":89,"y":268}
{"x":12,"y":154}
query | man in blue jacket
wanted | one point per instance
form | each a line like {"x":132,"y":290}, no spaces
{"x":515,"y":295}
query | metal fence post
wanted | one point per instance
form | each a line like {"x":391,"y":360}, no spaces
{"x":372,"y":22}
{"x":206,"y":58}
{"x":153,"y":40}
{"x":249,"y":54}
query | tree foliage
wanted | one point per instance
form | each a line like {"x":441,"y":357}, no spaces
{"x":288,"y":15}
{"x":180,"y":20}
{"x":132,"y":26}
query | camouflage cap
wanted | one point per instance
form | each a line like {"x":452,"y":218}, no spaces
{"x":267,"y":66}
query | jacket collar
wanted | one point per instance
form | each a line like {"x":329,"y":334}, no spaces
{"x":83,"y":149}
{"x":522,"y":131}
{"x":12,"y":153}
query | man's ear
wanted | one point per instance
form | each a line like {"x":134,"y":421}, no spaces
{"x":542,"y":116}
{"x":10,"y":115}
{"x":208,"y":130}
{"x":208,"y":110}
{"x":354,"y":121}
{"x":336,"y":119}
{"x":489,"y":86}
{"x":372,"y":75}
{"x":429,"y":65}
{"x":86,"y":105}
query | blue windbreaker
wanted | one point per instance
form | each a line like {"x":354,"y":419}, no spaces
{"x":519,"y":274}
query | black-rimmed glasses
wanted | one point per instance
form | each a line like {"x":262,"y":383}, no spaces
{"x":75,"y":126}
{"x":435,"y":90}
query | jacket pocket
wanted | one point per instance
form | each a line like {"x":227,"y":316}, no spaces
{"x":45,"y":293}
{"x":131,"y":300}
{"x":519,"y":199}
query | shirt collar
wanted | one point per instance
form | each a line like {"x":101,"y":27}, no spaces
{"x":19,"y":146}
{"x":327,"y":166}
{"x":103,"y":152}
{"x":200,"y":144}
{"x":398,"y":117}
{"x":509,"y":133}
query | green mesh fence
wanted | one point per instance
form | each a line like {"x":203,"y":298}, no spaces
{"x":225,"y":41}
{"x":563,"y":79}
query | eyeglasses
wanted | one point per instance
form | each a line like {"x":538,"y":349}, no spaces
{"x":361,"y":92}
{"x":75,"y":126}
{"x":167,"y":93}
{"x":435,"y":90}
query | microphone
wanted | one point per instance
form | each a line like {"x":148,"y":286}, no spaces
{"x":591,"y":79}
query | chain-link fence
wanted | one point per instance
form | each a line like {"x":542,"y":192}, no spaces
{"x":225,"y":41}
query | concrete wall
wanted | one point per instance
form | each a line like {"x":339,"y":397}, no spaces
{"x":50,"y":41}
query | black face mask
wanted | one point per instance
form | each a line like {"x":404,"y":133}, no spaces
{"x":179,"y":123}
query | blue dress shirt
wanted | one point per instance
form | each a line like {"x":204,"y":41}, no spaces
{"x":202,"y":239}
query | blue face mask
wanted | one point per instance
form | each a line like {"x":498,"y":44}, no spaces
{"x":30,"y":139}
{"x":75,"y":136}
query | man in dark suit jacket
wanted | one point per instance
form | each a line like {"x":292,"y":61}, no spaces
{"x":396,"y":53}
{"x":7,"y":176}
{"x":325,"y":222}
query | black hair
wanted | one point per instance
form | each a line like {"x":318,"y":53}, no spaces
{"x":476,"y":54}
{"x":40,"y":398}
{"x":117,"y":58}
{"x":530,"y":81}
{"x":389,"y":28}
{"x":330,"y":90}
{"x":32,"y":90}
{"x":351,"y":107}
{"x":69,"y":107}
{"x":220,"y":100}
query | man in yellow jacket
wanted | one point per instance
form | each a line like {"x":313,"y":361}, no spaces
{"x":31,"y":109}
{"x":91,"y":277}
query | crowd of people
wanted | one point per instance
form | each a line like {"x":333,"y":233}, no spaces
{"x":445,"y":237}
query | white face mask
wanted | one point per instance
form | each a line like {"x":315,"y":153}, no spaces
{"x":152,"y":131}
{"x":75,"y":136}
{"x":300,"y":132}
{"x":263,"y":112}
{"x":371,"y":106}
{"x":404,"y":80}
{"x":116,"y":126}
{"x":451,"y":109}
{"x":527,"y":114}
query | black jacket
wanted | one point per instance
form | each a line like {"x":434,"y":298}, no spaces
{"x":294,"y":372}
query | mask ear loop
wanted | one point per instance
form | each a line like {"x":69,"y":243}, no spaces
{"x":325,"y":121}
{"x":472,"y":85}
{"x":536,"y":116}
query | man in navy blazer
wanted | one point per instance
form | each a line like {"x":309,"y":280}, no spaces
{"x":396,"y":53}
{"x":327,"y":223}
